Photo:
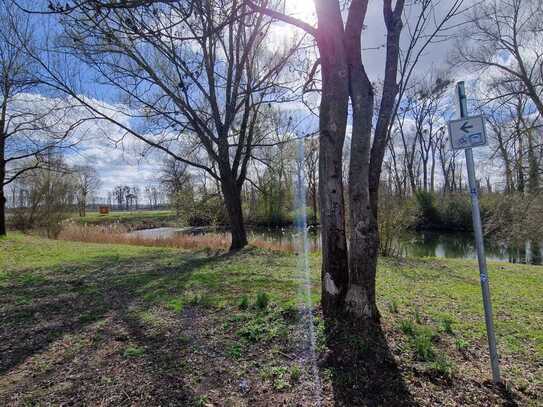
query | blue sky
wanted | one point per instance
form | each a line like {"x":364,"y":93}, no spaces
{"x":121,"y":162}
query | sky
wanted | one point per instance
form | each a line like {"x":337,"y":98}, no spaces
{"x":119,"y":161}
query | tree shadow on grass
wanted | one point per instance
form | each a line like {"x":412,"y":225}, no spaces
{"x":363,"y":369}
{"x":40,"y":308}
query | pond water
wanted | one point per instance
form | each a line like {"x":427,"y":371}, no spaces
{"x":415,"y":244}
{"x":462,"y":245}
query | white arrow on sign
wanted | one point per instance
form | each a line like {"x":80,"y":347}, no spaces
{"x":468,"y":132}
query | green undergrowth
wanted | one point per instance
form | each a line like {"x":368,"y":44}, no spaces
{"x":170,"y":277}
{"x":446,"y":295}
{"x":436,"y":296}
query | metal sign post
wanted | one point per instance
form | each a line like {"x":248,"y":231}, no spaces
{"x":466,"y":133}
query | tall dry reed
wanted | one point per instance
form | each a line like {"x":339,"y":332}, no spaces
{"x":117,"y":234}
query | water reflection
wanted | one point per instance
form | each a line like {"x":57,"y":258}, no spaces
{"x":414,"y":244}
{"x":429,"y":244}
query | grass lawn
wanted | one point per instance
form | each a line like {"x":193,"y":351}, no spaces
{"x":95,"y":324}
{"x":139,"y":218}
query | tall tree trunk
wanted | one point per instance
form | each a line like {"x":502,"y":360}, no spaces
{"x":425,"y":174}
{"x":520,"y":165}
{"x":508,"y":173}
{"x":533,"y":166}
{"x":364,"y":246}
{"x":360,"y":298}
{"x":364,"y":243}
{"x":232,"y":201}
{"x":332,"y":126}
{"x":433,"y":172}
{"x":314,"y":202}
{"x":3,"y":229}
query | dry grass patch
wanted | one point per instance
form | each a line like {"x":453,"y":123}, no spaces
{"x":118,"y":234}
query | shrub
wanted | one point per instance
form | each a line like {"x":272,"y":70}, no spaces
{"x":205,"y":210}
{"x":244,"y":303}
{"x":422,"y":344}
{"x":442,"y":366}
{"x":428,"y":214}
{"x":290,"y":312}
{"x":393,"y":307}
{"x":295,"y":373}
{"x":262,"y":301}
{"x":394,"y":217}
{"x":515,"y":219}
{"x":407,"y":327}
{"x":277,"y":375}
{"x":133,"y":352}
{"x":263,"y":327}
{"x":446,"y":325}
{"x":235,"y":351}
{"x":461,"y":344}
{"x":49,"y":197}
{"x":455,"y":212}
{"x":420,"y":338}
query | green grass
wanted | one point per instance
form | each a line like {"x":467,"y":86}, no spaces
{"x":133,"y":352}
{"x":22,"y":252}
{"x":448,"y":293}
{"x":444,"y":294}
{"x":170,"y":277}
{"x":127,"y":217}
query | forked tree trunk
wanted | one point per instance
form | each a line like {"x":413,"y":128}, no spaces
{"x":348,"y":285}
{"x":364,"y":244}
{"x":366,"y":160}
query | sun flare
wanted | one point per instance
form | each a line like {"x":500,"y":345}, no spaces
{"x":302,"y":9}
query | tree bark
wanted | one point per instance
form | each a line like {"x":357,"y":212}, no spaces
{"x":232,"y":201}
{"x":366,"y":163}
{"x":83,"y":210}
{"x":360,"y":297}
{"x":314,"y":204}
{"x":348,"y":284}
{"x":332,"y":126}
{"x":3,"y":229}
{"x":508,"y":173}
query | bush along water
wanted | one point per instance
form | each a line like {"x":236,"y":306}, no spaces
{"x":449,"y":212}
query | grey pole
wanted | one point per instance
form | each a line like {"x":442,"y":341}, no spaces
{"x":478,"y":230}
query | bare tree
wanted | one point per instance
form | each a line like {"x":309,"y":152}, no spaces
{"x":426,"y":109}
{"x":153,"y":193}
{"x":505,"y":37}
{"x":195,"y":76}
{"x":514,"y":122}
{"x":407,"y":141}
{"x":348,"y":278}
{"x":177,"y":181}
{"x":48,"y":196}
{"x":31,"y":125}
{"x":311,"y":161}
{"x":447,"y":158}
{"x":119,"y":193}
{"x":87,"y":182}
